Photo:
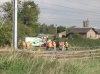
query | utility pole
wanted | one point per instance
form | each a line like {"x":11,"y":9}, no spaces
{"x":14,"y":41}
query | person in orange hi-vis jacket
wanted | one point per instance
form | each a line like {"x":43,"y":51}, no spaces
{"x":23,"y":45}
{"x":54,"y":45}
{"x":62,"y":44}
{"x":27,"y":45}
{"x":50,"y":46}
{"x":66,"y":45}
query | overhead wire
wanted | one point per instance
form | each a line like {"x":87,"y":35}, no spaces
{"x":82,"y":11}
{"x":83,"y":3}
{"x":68,"y":11}
{"x":65,"y":7}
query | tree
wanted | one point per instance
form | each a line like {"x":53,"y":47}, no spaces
{"x":51,"y":29}
{"x":61,"y":29}
{"x":44,"y":28}
{"x":28,"y":13}
{"x":27,"y":21}
{"x":6,"y":34}
{"x":7,"y":8}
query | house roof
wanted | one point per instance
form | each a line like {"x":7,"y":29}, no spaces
{"x":80,"y":30}
{"x":64,"y":32}
{"x":97,"y":31}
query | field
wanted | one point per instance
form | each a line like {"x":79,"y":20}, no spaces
{"x":16,"y":63}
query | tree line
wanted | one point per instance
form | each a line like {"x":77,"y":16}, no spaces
{"x":28,"y":24}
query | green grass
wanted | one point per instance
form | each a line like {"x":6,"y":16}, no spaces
{"x":22,"y":63}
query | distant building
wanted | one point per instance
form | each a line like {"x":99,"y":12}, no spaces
{"x":62,"y":34}
{"x":86,"y":32}
{"x":86,"y":23}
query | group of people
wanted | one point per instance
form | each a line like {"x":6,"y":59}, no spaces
{"x":51,"y":45}
{"x":26,"y":45}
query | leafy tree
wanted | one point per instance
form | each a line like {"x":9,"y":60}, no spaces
{"x":51,"y":29}
{"x":6,"y":34}
{"x":44,"y":28}
{"x":61,"y":29}
{"x":27,"y":21}
{"x":29,"y":13}
{"x":7,"y":8}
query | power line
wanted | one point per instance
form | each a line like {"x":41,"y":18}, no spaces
{"x":66,"y":7}
{"x":78,"y":20}
{"x":82,"y":3}
{"x":54,"y":13}
{"x":68,"y":11}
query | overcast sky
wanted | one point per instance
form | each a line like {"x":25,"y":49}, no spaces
{"x":68,"y":12}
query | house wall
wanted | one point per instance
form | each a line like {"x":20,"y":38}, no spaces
{"x":91,"y":34}
{"x":98,"y":35}
{"x":62,"y":34}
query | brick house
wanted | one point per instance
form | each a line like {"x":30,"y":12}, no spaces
{"x":86,"y":32}
{"x":97,"y":33}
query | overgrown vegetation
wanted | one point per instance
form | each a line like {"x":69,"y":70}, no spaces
{"x":16,"y":63}
{"x":78,"y":42}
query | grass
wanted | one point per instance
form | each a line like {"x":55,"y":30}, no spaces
{"x":22,"y":63}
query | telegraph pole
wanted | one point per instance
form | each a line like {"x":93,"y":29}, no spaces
{"x":14,"y":41}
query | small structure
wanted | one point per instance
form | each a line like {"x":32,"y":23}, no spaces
{"x":62,"y":34}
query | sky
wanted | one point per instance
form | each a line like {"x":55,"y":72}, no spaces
{"x":68,"y":12}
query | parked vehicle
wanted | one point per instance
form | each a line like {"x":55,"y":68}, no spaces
{"x":35,"y":41}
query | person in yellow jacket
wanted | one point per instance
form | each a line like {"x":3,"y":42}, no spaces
{"x":27,"y":45}
{"x":23,"y":44}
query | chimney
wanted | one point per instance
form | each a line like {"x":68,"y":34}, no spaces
{"x":86,"y":23}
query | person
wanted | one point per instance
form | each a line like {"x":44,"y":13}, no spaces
{"x":27,"y":45}
{"x":62,"y":44}
{"x":47,"y":45}
{"x":66,"y":45}
{"x":50,"y":46}
{"x":23,"y":45}
{"x":54,"y":45}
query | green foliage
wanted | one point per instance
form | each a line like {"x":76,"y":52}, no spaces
{"x":17,"y":63}
{"x":29,"y":13}
{"x":44,"y":28}
{"x":24,"y":31}
{"x":51,"y":29}
{"x":47,"y":29}
{"x":27,"y":21}
{"x":6,"y":34}
{"x":80,"y":43}
{"x":61,"y":29}
{"x":8,"y":9}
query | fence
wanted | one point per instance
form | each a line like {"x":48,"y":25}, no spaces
{"x":68,"y":54}
{"x":58,"y":54}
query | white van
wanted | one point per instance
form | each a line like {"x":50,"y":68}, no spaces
{"x":35,"y":41}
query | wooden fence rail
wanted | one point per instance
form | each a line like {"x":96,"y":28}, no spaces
{"x":58,"y":54}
